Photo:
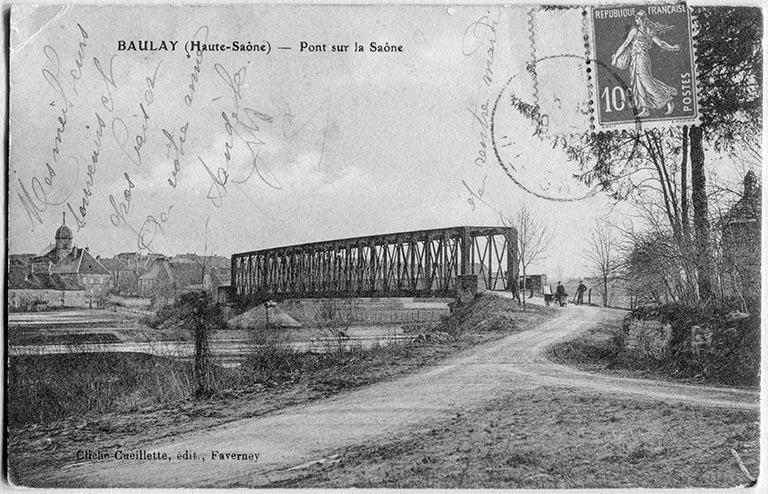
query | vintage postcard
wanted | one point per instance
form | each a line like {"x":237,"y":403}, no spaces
{"x":384,"y":246}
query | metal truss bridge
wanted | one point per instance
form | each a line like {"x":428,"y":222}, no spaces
{"x":424,"y":263}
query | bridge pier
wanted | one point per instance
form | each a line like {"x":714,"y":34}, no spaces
{"x":467,"y":288}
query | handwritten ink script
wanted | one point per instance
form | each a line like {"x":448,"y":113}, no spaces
{"x":41,"y":191}
{"x":479,"y":39}
{"x":132,"y":125}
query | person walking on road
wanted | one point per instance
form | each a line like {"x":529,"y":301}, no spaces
{"x":580,"y":293}
{"x":561,"y":295}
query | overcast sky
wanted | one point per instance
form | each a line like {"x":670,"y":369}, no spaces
{"x":320,"y":145}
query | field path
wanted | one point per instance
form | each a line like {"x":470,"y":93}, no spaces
{"x":306,"y":433}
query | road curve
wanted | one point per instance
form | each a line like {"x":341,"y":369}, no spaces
{"x":299,"y":434}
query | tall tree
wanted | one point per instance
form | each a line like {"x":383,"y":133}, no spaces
{"x":533,"y":239}
{"x":643,"y":165}
{"x":700,"y":215}
{"x":730,"y":68}
{"x":604,"y":256}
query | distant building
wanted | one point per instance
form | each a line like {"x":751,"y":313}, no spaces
{"x":741,"y":244}
{"x":168,"y":277}
{"x":80,"y":267}
{"x":19,"y":269}
{"x":535,"y":281}
{"x":215,"y":278}
{"x":157,"y":278}
{"x":126,"y":268}
{"x":60,"y":267}
{"x":208,"y":261}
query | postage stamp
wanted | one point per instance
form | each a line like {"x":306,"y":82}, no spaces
{"x":613,"y":67}
{"x":645,"y":68}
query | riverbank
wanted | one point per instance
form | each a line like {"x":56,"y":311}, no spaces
{"x":262,"y":387}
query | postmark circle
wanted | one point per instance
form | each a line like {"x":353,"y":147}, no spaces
{"x":516,"y":167}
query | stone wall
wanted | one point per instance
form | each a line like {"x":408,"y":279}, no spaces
{"x":647,"y":337}
{"x":22,"y":299}
{"x":701,"y":338}
{"x":650,"y":337}
{"x":686,"y":341}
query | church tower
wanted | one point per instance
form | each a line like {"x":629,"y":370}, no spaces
{"x":63,"y":239}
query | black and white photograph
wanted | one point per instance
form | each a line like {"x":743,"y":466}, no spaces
{"x":383,"y":246}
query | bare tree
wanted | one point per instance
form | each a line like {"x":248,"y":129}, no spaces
{"x":533,"y":239}
{"x":603,"y":255}
{"x":334,"y":319}
{"x":204,"y":315}
{"x":652,"y":269}
{"x":661,"y":269}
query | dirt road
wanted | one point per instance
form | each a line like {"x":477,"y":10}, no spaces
{"x":306,"y":433}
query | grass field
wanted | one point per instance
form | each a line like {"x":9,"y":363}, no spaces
{"x":554,"y":438}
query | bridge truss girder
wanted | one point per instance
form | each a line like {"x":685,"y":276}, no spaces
{"x":424,"y":263}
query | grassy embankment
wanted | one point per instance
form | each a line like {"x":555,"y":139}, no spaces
{"x":60,"y":403}
{"x":554,"y":438}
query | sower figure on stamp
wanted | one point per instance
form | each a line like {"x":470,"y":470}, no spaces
{"x":580,"y":293}
{"x":634,"y":53}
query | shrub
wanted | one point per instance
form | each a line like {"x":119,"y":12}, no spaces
{"x":272,"y":360}
{"x":44,"y":388}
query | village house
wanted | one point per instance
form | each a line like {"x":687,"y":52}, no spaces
{"x":168,"y":277}
{"x":741,"y":245}
{"x":126,"y":268}
{"x":61,"y":267}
